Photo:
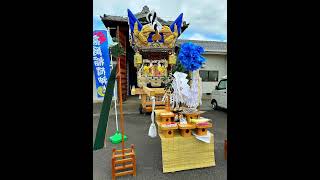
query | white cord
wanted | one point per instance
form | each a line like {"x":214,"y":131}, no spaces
{"x":115,"y":108}
{"x":153,"y":129}
{"x":115,"y":99}
{"x":153,"y":99}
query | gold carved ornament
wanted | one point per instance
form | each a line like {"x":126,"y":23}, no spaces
{"x":141,"y":37}
{"x":169,"y":36}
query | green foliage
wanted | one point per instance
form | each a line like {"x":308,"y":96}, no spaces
{"x":117,"y":50}
{"x":178,"y":67}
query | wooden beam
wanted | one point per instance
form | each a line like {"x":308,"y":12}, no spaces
{"x":124,"y":173}
{"x":158,"y":91}
{"x":126,"y":150}
{"x":123,"y":160}
{"x":157,"y":103}
{"x":123,"y":156}
{"x":149,"y":91}
{"x":127,"y":166}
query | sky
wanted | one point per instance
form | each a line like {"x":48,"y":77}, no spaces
{"x":207,"y":18}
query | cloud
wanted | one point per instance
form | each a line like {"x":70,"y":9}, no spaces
{"x":197,"y":36}
{"x":205,"y":16}
{"x":203,"y":36}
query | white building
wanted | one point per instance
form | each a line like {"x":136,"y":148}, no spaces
{"x":211,"y":72}
{"x":216,"y":62}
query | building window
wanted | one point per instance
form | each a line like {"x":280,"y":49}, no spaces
{"x":209,"y":76}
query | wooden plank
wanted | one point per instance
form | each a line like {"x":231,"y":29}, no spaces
{"x":149,"y":91}
{"x":126,"y":150}
{"x":127,"y":166}
{"x":156,"y":103}
{"x":124,"y":173}
{"x":149,"y":109}
{"x":186,"y":126}
{"x":123,"y":75}
{"x":167,"y":114}
{"x":121,"y":155}
{"x":209,"y":125}
{"x":157,"y":107}
{"x":143,"y":100}
{"x":158,"y":122}
{"x":139,"y":91}
{"x":167,"y":128}
{"x":123,"y":161}
{"x":158,"y":91}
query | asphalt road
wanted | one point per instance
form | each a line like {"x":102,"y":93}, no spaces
{"x":148,"y":150}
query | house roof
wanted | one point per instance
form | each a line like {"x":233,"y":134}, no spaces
{"x":141,"y":16}
{"x":210,"y":47}
{"x":114,"y":18}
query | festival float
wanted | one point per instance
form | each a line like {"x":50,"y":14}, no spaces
{"x":173,"y":97}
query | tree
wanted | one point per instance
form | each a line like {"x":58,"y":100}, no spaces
{"x":117,"y":50}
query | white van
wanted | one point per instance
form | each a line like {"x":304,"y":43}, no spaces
{"x":219,"y":94}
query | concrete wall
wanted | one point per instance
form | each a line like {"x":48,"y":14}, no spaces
{"x":217,"y":63}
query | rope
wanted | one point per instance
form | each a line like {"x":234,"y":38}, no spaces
{"x":115,"y":108}
{"x":152,"y":129}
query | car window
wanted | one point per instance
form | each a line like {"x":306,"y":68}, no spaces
{"x":222,"y":84}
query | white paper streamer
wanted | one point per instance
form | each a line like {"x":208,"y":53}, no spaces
{"x":183,"y":93}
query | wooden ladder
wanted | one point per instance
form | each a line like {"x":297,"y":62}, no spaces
{"x":123,"y":160}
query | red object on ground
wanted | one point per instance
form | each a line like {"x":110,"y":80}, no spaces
{"x":202,"y":123}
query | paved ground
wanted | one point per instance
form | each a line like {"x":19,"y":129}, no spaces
{"x":148,"y":150}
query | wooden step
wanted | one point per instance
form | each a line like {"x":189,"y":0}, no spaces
{"x":156,"y":103}
{"x":124,"y":173}
{"x":123,"y":161}
{"x":127,"y":166}
{"x":125,"y":150}
{"x":149,"y":108}
{"x":125,"y":154}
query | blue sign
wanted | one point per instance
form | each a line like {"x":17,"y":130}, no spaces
{"x":101,"y":61}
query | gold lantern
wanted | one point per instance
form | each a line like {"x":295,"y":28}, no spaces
{"x":137,"y":59}
{"x":172,"y":59}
